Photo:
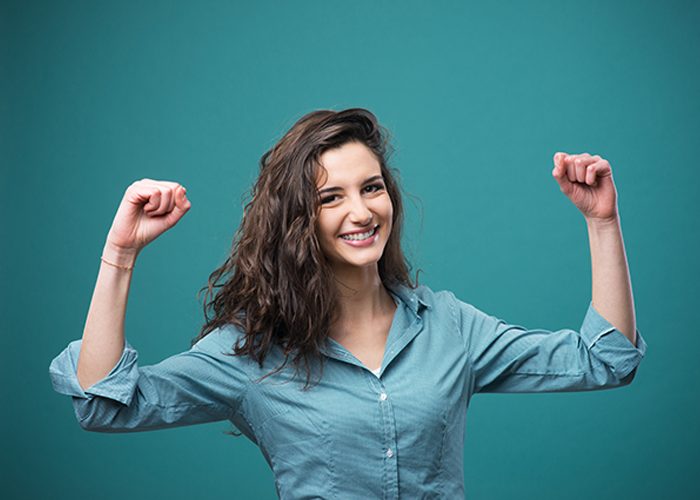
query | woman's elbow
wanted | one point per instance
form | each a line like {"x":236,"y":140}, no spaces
{"x":614,"y":380}
{"x":96,"y":415}
{"x":627,"y":379}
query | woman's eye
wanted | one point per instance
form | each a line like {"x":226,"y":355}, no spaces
{"x":378,"y":187}
{"x":373,"y":189}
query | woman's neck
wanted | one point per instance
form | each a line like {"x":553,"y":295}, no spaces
{"x":363,"y":298}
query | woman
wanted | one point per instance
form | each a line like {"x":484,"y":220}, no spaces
{"x":318,"y":277}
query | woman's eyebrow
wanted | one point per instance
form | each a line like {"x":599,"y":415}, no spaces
{"x":335,"y":188}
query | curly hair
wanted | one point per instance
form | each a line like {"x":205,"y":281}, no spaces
{"x":278,"y":286}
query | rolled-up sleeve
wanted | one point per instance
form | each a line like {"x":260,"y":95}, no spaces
{"x":511,"y":358}
{"x":203,"y":384}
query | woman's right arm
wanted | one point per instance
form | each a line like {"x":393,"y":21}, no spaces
{"x":110,"y":391}
{"x":148,"y":209}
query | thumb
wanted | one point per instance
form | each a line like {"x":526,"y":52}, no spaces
{"x":559,"y":173}
{"x":558,"y":161}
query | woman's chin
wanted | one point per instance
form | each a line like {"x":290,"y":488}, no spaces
{"x":369,"y":259}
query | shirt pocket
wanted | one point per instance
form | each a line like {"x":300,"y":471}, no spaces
{"x":297,"y":446}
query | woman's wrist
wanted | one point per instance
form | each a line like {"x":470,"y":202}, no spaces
{"x":123,"y":258}
{"x":603,"y":224}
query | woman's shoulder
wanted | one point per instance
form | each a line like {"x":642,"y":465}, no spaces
{"x":431,"y":298}
{"x":223,"y":337}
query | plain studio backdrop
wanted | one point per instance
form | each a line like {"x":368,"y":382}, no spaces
{"x":96,"y":95}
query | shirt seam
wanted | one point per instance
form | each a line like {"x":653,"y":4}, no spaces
{"x":441,"y":464}
{"x":238,"y":410}
{"x":455,"y":316}
{"x":233,"y":412}
{"x":549,"y":374}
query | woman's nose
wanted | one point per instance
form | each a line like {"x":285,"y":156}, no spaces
{"x":359,"y":213}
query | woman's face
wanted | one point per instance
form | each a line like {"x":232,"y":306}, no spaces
{"x":353,"y":200}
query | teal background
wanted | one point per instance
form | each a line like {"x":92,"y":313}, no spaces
{"x":478,"y":98}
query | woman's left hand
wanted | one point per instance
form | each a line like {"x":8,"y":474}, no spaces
{"x":587,"y":181}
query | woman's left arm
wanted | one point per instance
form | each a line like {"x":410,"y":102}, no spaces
{"x":587,"y":181}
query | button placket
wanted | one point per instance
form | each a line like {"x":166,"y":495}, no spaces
{"x":391,"y":483}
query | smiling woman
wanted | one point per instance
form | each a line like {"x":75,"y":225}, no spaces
{"x":316,"y":274}
{"x":328,"y":176}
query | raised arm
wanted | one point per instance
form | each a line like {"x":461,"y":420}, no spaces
{"x":148,"y":209}
{"x":587,"y":181}
{"x":607,"y":349}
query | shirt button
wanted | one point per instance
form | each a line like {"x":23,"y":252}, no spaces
{"x":382,"y":396}
{"x":389,"y":453}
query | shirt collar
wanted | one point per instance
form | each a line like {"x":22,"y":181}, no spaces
{"x":409,"y":296}
{"x":405,"y":294}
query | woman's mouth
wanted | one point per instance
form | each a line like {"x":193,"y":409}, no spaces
{"x":362,"y":239}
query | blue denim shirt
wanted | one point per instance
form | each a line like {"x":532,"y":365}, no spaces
{"x":357,"y":434}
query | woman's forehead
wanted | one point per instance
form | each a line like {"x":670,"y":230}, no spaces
{"x":349,"y":164}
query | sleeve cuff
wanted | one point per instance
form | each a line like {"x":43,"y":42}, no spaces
{"x":118,"y":384}
{"x":611,"y":345}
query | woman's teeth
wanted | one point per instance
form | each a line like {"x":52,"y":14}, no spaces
{"x":360,"y":236}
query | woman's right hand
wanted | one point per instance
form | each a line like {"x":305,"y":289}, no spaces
{"x":147,"y":210}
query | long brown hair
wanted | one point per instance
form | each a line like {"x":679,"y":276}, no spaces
{"x":278,"y":286}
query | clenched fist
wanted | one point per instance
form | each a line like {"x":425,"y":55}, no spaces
{"x":147,"y":210}
{"x":587,"y":181}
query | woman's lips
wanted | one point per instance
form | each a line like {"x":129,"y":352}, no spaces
{"x":374,"y":228}
{"x":363,"y":243}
